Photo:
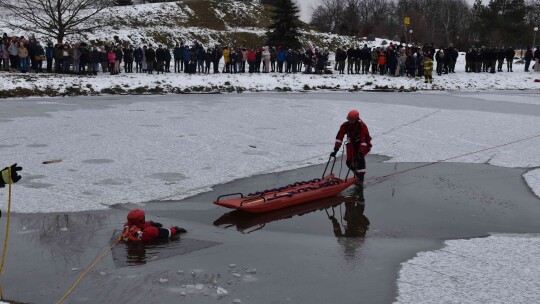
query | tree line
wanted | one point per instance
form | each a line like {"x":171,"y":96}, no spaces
{"x":497,"y":23}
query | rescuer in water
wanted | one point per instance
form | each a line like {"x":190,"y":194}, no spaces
{"x":138,"y":229}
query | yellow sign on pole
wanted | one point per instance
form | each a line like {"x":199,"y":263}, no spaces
{"x":407,"y":20}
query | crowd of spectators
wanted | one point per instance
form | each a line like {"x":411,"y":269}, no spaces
{"x":21,"y":54}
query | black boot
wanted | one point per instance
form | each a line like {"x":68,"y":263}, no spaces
{"x":360,"y":181}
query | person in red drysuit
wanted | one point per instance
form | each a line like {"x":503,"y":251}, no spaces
{"x":138,"y":229}
{"x":358,"y":144}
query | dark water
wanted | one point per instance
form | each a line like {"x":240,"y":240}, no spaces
{"x":341,"y":250}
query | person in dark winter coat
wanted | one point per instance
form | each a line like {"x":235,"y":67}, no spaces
{"x":281,"y":56}
{"x":258,"y":59}
{"x":341,"y":57}
{"x":528,"y":57}
{"x":128,"y":59}
{"x":501,"y":54}
{"x":273,"y":55}
{"x":439,"y":58}
{"x":177,"y":54}
{"x":193,"y":55}
{"x":94,"y":60}
{"x":216,"y":57}
{"x":201,"y":54}
{"x":160,"y":59}
{"x":509,"y":55}
{"x":138,"y":56}
{"x":365,"y":56}
{"x":103,"y":59}
{"x":150,"y":55}
{"x":208,"y":60}
{"x":168,"y":59}
{"x":49,"y":55}
{"x":536,"y":57}
{"x":39,"y":57}
{"x":469,"y":60}
{"x":454,"y":54}
{"x":186,"y":57}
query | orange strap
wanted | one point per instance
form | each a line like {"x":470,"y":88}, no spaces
{"x":130,"y":233}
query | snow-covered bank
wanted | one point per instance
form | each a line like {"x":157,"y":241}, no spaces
{"x":502,"y":268}
{"x":18,"y":85}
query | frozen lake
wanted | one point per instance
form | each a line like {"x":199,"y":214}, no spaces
{"x":166,"y":152}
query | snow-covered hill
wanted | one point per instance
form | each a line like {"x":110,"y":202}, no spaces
{"x":224,"y":22}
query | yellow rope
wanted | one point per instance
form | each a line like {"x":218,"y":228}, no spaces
{"x":86,"y":271}
{"x":7,"y":233}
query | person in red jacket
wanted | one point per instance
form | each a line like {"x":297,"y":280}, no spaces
{"x":358,"y":144}
{"x":138,"y":229}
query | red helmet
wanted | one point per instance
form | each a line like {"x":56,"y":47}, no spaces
{"x":353,"y":115}
{"x":136,"y":216}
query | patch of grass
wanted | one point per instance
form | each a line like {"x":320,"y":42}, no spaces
{"x":204,"y":16}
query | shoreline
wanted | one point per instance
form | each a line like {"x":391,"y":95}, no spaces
{"x":52,"y":85}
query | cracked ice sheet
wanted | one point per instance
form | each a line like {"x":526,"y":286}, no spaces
{"x":502,"y":268}
{"x":172,"y":148}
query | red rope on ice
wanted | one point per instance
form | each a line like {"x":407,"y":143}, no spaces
{"x":376,"y":178}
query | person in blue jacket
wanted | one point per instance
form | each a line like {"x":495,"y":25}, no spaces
{"x":49,"y":56}
{"x":281,"y":56}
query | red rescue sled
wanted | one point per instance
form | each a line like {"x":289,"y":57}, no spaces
{"x":287,"y":196}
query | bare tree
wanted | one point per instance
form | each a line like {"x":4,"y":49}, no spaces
{"x":55,"y":18}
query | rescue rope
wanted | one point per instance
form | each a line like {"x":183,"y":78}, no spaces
{"x":87,"y":270}
{"x":7,"y":233}
{"x":377,"y":178}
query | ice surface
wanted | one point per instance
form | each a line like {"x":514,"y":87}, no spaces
{"x":496,"y":269}
{"x":200,"y":143}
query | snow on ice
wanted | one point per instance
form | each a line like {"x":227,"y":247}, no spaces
{"x":502,"y":268}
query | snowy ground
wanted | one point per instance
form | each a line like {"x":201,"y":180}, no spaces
{"x":170,"y":82}
{"x":117,"y":150}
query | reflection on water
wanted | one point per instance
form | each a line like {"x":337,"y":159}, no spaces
{"x":139,"y":253}
{"x":352,"y":223}
{"x":352,"y":226}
